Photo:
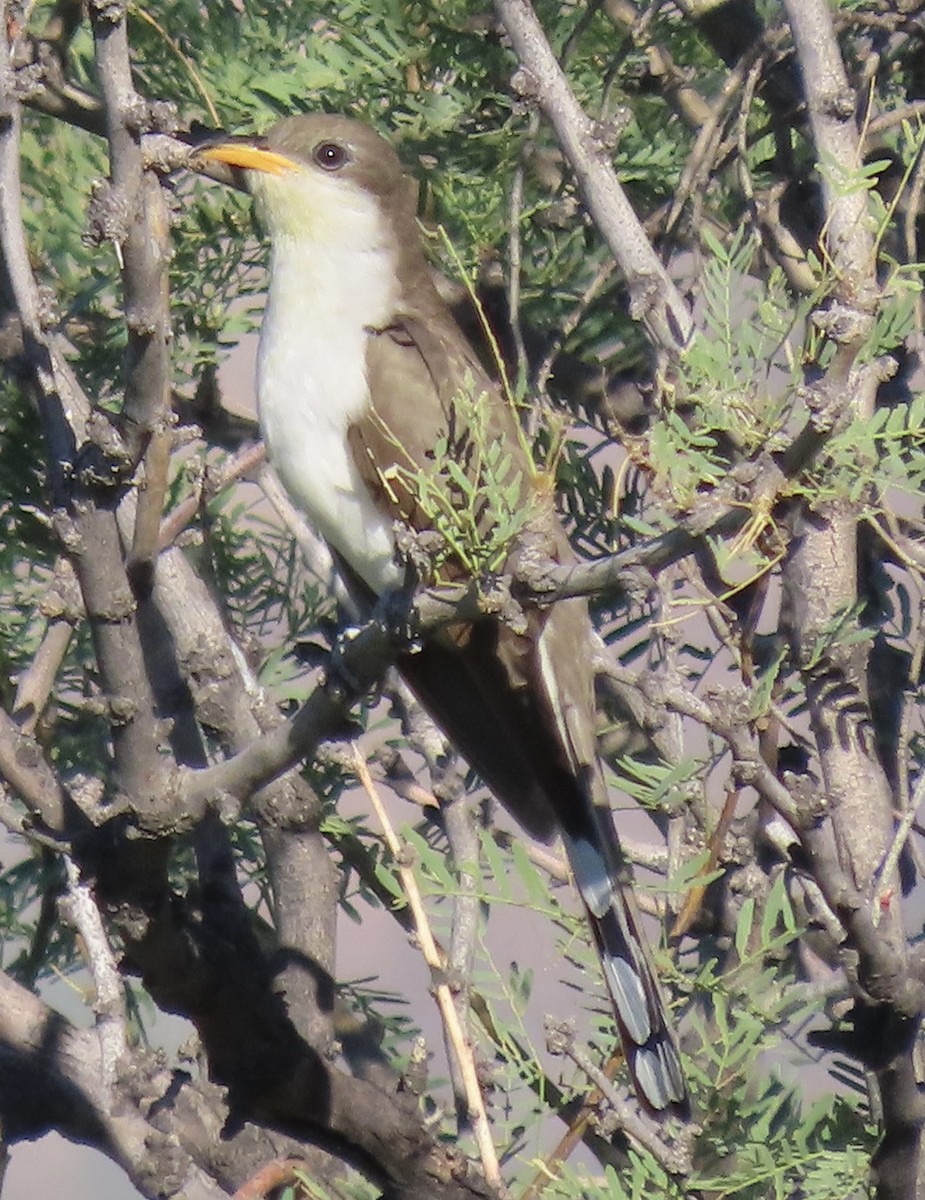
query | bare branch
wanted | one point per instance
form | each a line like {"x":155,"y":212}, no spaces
{"x":89,"y":534}
{"x":60,"y":1083}
{"x":23,"y":766}
{"x":655,"y":299}
{"x":80,"y":909}
{"x":831,"y":105}
{"x":34,"y":685}
{"x":132,"y":213}
{"x":238,"y":466}
{"x":460,"y":1044}
{"x":62,"y":607}
{"x":674,"y":1158}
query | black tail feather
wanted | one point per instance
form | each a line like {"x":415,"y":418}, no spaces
{"x":651,"y":1051}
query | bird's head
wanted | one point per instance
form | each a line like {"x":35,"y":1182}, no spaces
{"x":324,"y":178}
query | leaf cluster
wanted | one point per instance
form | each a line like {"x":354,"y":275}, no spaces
{"x":471,"y":492}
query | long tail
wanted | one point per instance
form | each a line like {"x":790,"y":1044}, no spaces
{"x":521,"y":709}
{"x":648,"y":1042}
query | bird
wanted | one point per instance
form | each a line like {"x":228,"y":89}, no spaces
{"x":377,"y":415}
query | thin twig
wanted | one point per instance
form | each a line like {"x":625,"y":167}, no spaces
{"x":886,"y":875}
{"x":515,"y":258}
{"x":35,"y":683}
{"x":441,"y":990}
{"x":236,"y":467}
{"x":910,"y":705}
{"x":189,"y":65}
{"x":80,"y":909}
{"x":745,"y":105}
{"x":910,"y":227}
{"x":448,"y":778}
{"x":463,"y":840}
{"x":704,"y":154}
{"x":673,"y":82}
{"x":675,"y":1158}
{"x":655,"y":300}
{"x":568,"y":326}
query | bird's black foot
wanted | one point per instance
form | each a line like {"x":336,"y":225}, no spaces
{"x":399,"y":618}
{"x":340,"y":677}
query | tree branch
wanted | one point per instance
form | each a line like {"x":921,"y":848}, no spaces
{"x":655,"y":299}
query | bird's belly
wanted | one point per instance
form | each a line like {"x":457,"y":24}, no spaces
{"x":307,"y":401}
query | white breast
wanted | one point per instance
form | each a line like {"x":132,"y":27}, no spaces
{"x":311,"y":385}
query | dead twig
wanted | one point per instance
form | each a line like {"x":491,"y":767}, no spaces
{"x":442,"y":993}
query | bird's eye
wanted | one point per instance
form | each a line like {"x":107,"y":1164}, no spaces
{"x":330,"y":155}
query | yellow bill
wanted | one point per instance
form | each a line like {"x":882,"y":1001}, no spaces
{"x":251,"y":158}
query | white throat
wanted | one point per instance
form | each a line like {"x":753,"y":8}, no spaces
{"x":330,"y":282}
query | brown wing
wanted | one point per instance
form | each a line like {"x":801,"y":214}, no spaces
{"x":428,"y":389}
{"x":481,"y":683}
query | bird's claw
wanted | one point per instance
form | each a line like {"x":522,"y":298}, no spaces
{"x":339,"y":676}
{"x":400,"y":620}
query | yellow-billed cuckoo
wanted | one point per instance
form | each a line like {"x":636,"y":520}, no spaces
{"x":362,"y":372}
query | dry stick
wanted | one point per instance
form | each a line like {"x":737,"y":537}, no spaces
{"x":903,"y":789}
{"x":674,"y":1157}
{"x":655,"y":300}
{"x":188,"y":64}
{"x":910,"y":229}
{"x":545,"y":1087}
{"x":270,"y":1177}
{"x":570,"y":323}
{"x":696,"y":894}
{"x":574,"y":1135}
{"x":80,"y":909}
{"x":704,"y":152}
{"x":441,"y":991}
{"x":515,"y":259}
{"x":886,"y":875}
{"x":463,"y":841}
{"x":448,"y":780}
{"x":553,"y":865}
{"x":151,"y":498}
{"x":913,"y":111}
{"x":674,"y":84}
{"x":748,"y":95}
{"x":399,"y":777}
{"x":240,"y":464}
{"x":35,"y":683}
